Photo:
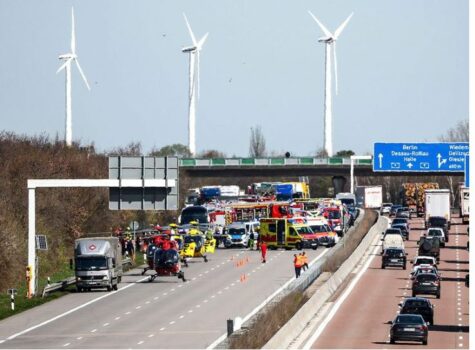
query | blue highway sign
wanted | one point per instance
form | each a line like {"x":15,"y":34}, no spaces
{"x":420,"y":157}
{"x":467,"y":171}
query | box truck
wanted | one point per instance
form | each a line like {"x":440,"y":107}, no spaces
{"x":437,"y":203}
{"x":98,"y":263}
{"x":369,"y":196}
{"x":464,"y":204}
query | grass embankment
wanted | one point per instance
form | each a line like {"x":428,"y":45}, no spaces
{"x":267,"y":323}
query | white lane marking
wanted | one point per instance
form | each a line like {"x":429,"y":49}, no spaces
{"x":233,"y":284}
{"x":212,"y":269}
{"x":182,"y":316}
{"x":226,"y":288}
{"x":206,"y":271}
{"x":140,"y":342}
{"x":172,"y":290}
{"x":74,"y":309}
{"x":200,"y":275}
{"x":94,"y":330}
{"x":460,"y":314}
{"x":105,"y":324}
{"x":198,"y":305}
{"x":460,"y":318}
{"x":460,"y":325}
{"x":79,"y":338}
{"x":340,"y":301}
{"x":193,"y":278}
{"x":162,"y":329}
{"x":460,"y":345}
{"x":151,"y":335}
{"x":165,"y":293}
{"x":67,"y":344}
{"x":147,"y":302}
{"x":254,"y":270}
{"x":172,"y":322}
{"x":264,"y":303}
{"x":213,"y":296}
{"x":117,"y":318}
{"x":205,"y":301}
{"x":190,"y":311}
{"x":2,"y":341}
{"x":180,"y":285}
{"x":138,"y":307}
{"x":460,"y":338}
{"x":155,"y":298}
{"x":458,"y":304}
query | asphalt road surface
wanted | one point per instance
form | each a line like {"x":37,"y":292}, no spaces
{"x":361,"y":320}
{"x":165,"y":313}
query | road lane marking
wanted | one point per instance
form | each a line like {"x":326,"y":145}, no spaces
{"x":180,"y":285}
{"x":117,"y":318}
{"x":182,"y":316}
{"x":94,"y":330}
{"x":140,"y":342}
{"x":2,"y":341}
{"x":138,"y":307}
{"x":205,"y":301}
{"x":155,"y":298}
{"x":342,"y":298}
{"x":165,"y":293}
{"x":67,"y":344}
{"x":151,"y":335}
{"x":147,"y":302}
{"x":105,"y":324}
{"x":264,"y":303}
{"x":213,"y":296}
{"x":197,"y":306}
{"x":172,"y":290}
{"x":162,"y":329}
{"x":190,"y":311}
{"x":79,"y":338}
{"x":460,"y":338}
{"x":172,"y":322}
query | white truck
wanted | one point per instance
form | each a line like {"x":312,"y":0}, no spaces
{"x":98,"y":263}
{"x":437,"y":203}
{"x":369,"y":196}
{"x":347,"y":198}
{"x":464,"y":204}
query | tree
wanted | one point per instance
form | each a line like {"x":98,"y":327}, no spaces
{"x":345,"y":153}
{"x":177,"y":150}
{"x":321,"y":153}
{"x":211,"y":153}
{"x":132,"y":149}
{"x":257,"y":143}
{"x":459,"y":133}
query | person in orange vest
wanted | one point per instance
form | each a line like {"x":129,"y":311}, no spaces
{"x":304,"y":259}
{"x":297,"y":265}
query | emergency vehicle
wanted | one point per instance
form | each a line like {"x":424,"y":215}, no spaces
{"x":287,"y":233}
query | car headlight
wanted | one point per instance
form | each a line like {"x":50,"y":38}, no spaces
{"x":105,"y":278}
{"x":337,"y":227}
{"x":78,"y":278}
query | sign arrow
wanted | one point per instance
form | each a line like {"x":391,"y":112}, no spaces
{"x":410,"y":165}
{"x":380,"y":156}
{"x":440,"y":161}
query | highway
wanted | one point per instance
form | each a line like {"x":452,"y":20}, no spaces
{"x":166,"y":313}
{"x":361,"y":321}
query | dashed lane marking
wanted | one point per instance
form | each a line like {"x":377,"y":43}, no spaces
{"x":94,"y":330}
{"x":190,"y":311}
{"x":67,"y":344}
{"x":155,"y":298}
{"x":181,"y":316}
{"x":127,"y":313}
{"x":151,"y":335}
{"x":162,"y":329}
{"x":172,"y":322}
{"x":140,"y":342}
{"x":138,"y":307}
{"x":147,"y":302}
{"x":105,"y":324}
{"x":79,"y":338}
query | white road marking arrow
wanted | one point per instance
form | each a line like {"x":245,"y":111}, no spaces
{"x":440,"y":161}
{"x":380,"y":156}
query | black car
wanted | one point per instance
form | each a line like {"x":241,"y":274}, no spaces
{"x":393,"y":210}
{"x":404,"y":230}
{"x":419,"y":306}
{"x":409,"y":327}
{"x":440,"y":221}
{"x":401,"y":221}
{"x":394,"y":257}
{"x":426,"y":283}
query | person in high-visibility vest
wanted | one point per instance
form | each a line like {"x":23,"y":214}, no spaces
{"x":297,"y":265}
{"x":304,"y":259}
{"x":263,"y":251}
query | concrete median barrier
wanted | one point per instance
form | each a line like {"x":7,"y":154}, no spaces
{"x":297,"y":329}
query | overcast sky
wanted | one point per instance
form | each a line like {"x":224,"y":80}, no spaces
{"x":403,"y":71}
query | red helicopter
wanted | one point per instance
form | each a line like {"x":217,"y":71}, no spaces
{"x":166,"y":261}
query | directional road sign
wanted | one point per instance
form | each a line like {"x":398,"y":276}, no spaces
{"x":420,"y":157}
{"x":467,"y":171}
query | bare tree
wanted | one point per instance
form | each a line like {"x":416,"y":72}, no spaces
{"x":257,"y":143}
{"x":459,"y":133}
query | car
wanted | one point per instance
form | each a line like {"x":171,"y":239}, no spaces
{"x":403,"y":212}
{"x":394,"y":257}
{"x":393,"y":210}
{"x":426,"y":283}
{"x":419,"y":306}
{"x":410,"y":327}
{"x":424,"y":268}
{"x":422,"y":259}
{"x":437,"y":232}
{"x":392,"y":238}
{"x":440,"y":221}
{"x":401,"y":221}
{"x":429,"y":246}
{"x":385,"y":208}
{"x":404,"y":230}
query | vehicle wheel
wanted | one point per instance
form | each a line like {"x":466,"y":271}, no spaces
{"x":79,"y":289}
{"x":115,"y":287}
{"x":298,"y":246}
{"x":205,"y":258}
{"x":109,"y":288}
{"x":438,"y":295}
{"x":404,"y":266}
{"x":413,"y":294}
{"x":391,"y":340}
{"x":424,"y":342}
{"x":315,"y":248}
{"x":383,"y":267}
{"x":150,"y":279}
{"x":431,"y":321}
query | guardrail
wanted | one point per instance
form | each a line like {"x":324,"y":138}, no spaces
{"x":271,"y":161}
{"x":52,"y":287}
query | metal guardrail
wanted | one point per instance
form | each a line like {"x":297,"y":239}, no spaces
{"x":72,"y":280}
{"x":272,"y":161}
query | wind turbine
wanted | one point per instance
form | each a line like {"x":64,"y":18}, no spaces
{"x":330,"y":43}
{"x":194,"y":78}
{"x":68,"y":58}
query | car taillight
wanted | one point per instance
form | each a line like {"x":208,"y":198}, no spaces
{"x":423,"y":327}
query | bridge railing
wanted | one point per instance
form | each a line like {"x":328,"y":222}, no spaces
{"x":271,"y":161}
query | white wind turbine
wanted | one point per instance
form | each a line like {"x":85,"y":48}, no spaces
{"x":68,"y":58}
{"x":194,"y":78}
{"x":330,"y":42}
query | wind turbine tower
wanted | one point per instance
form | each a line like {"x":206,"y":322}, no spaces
{"x":194,"y":90}
{"x":329,"y":40}
{"x":68,"y":58}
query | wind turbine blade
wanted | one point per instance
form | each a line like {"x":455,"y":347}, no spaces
{"x":73,"y":34}
{"x":322,"y":27}
{"x":342,"y":26}
{"x":202,"y":41}
{"x":82,"y":74}
{"x":336,"y":68}
{"x":63,"y":66}
{"x":191,"y":32}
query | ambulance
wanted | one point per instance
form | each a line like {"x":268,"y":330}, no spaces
{"x":287,"y":233}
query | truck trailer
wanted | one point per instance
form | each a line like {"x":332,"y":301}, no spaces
{"x":464,"y":204}
{"x":437,"y":203}
{"x":369,"y":196}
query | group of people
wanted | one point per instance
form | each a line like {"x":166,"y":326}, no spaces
{"x":300,"y":262}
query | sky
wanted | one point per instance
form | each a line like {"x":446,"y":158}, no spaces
{"x":402,"y":72}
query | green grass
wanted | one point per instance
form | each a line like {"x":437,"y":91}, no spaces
{"x":22,"y":303}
